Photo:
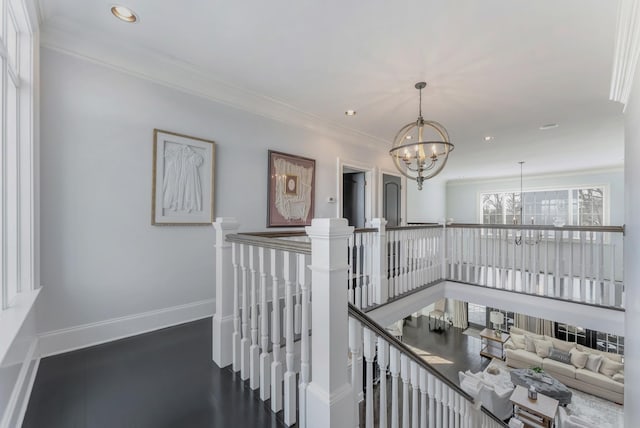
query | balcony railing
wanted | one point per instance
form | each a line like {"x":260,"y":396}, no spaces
{"x":274,"y":289}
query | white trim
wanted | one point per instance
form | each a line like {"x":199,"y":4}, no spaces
{"x":18,"y":401}
{"x":627,"y":50}
{"x":66,"y":37}
{"x":83,"y":336}
{"x":12,"y":319}
{"x":27,"y":394}
{"x":370,"y":192}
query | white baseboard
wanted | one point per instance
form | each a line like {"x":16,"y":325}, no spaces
{"x":19,"y":399}
{"x":82,"y":336}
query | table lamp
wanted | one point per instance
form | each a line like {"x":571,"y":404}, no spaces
{"x":497,"y":319}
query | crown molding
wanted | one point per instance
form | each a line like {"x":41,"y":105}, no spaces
{"x":606,"y":170}
{"x":627,"y":50}
{"x":67,"y":38}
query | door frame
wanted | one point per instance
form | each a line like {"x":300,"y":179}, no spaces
{"x":403,"y":194}
{"x":369,"y":189}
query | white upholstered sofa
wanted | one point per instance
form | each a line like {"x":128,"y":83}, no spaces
{"x":589,"y":370}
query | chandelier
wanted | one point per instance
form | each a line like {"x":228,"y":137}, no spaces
{"x":534,"y":240}
{"x":417,"y":157}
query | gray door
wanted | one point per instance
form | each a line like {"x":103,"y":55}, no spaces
{"x":391,"y":199}
{"x":353,"y":198}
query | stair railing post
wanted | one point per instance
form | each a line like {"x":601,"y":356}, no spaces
{"x":223,"y":318}
{"x":379,"y":265}
{"x":330,"y":399}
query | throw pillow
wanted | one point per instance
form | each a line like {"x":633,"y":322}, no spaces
{"x":529,"y":344}
{"x":609,"y":368}
{"x":618,"y":377}
{"x":542,"y":347}
{"x":518,"y":341}
{"x":613,"y":357}
{"x":579,"y":359}
{"x":593,"y":363}
{"x":561,"y":344}
{"x":561,"y":356}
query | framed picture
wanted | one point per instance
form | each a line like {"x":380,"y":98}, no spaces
{"x":183,"y":174}
{"x":291,"y":190}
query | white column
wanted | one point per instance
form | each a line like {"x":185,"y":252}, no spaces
{"x":379,"y":262}
{"x":632,"y":249}
{"x":329,"y":395}
{"x":223,"y":318}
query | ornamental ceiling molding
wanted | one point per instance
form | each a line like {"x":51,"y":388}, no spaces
{"x":67,"y":38}
{"x":627,"y":50}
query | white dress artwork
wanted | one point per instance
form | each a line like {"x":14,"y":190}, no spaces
{"x":182,"y":190}
{"x":293,"y":206}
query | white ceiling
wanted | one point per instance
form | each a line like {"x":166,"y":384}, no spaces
{"x":494,"y":67}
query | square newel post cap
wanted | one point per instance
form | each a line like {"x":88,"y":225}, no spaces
{"x":329,"y":228}
{"x":377,"y":222}
{"x":226,"y":223}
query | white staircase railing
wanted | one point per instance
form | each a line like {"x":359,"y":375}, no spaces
{"x":426,"y":398}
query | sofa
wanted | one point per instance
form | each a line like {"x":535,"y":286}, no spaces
{"x":493,"y":396}
{"x":585,"y":369}
{"x":565,"y":420}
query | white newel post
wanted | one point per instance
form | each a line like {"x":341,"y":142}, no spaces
{"x":329,"y":395}
{"x":223,"y":318}
{"x":379,"y":265}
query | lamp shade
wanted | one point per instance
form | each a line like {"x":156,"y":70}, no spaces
{"x":496,"y":317}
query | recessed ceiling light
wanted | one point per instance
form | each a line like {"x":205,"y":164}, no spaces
{"x":548,"y":126}
{"x":124,"y":14}
{"x":488,"y":138}
{"x":350,"y":112}
{"x":408,"y":137}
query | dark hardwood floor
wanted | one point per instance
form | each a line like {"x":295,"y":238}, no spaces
{"x":453,"y":351}
{"x":156,"y":380}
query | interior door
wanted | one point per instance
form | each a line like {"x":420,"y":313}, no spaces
{"x":353,"y":195}
{"x":391,"y":199}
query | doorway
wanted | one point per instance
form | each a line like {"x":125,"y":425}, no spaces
{"x":392,"y":200}
{"x":353,"y":197}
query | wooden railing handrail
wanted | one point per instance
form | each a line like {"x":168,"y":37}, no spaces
{"x":378,"y":330}
{"x":615,"y":229}
{"x":271,"y":243}
{"x":413,"y":227}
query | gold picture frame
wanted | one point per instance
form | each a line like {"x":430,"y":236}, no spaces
{"x":183,"y":177}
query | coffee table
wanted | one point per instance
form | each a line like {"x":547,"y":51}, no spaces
{"x":539,"y":413}
{"x":544,"y":384}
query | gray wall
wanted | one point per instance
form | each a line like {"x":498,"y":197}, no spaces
{"x":463,"y":201}
{"x":101,"y":258}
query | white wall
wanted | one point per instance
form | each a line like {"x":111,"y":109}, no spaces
{"x":426,"y":205}
{"x":101,"y":258}
{"x":463,"y":203}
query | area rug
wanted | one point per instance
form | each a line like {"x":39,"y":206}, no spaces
{"x":600,"y":412}
{"x":472,"y":332}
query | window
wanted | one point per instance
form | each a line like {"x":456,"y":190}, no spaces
{"x":16,"y":157}
{"x":577,"y":206}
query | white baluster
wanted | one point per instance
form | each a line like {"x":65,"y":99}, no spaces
{"x":350,"y":284}
{"x":236,"y":308}
{"x":244,"y":342}
{"x":431,"y":391}
{"x":357,"y":258}
{"x":254,"y":350}
{"x":438,"y":402}
{"x":289,"y":266}
{"x":303,"y":280}
{"x":394,"y":367}
{"x":444,"y":404}
{"x":276,"y":365}
{"x":405,"y":372}
{"x":369,"y":355}
{"x":583,"y":267}
{"x":424,"y":406}
{"x":451,"y":403}
{"x":265,"y":356}
{"x":383,"y":361}
{"x":415,"y":395}
{"x":355,"y":348}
